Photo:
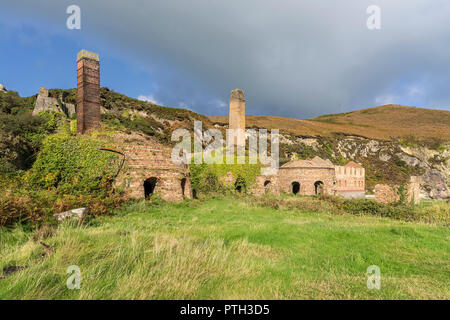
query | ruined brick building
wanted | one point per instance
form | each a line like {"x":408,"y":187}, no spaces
{"x":302,"y":177}
{"x":147,"y":167}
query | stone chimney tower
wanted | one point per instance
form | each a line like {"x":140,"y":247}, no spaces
{"x":88,"y":91}
{"x":237,"y":115}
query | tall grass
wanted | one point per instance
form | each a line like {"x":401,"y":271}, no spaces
{"x":228,"y":249}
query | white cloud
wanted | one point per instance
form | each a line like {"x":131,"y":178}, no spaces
{"x":386,"y":99}
{"x":149,"y":98}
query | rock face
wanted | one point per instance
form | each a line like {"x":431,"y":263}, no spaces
{"x":435,"y":182}
{"x":45,"y":102}
{"x":2,"y":88}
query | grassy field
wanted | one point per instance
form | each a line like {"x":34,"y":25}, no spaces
{"x":228,"y":249}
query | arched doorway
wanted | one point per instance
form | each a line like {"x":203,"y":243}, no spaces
{"x":267,"y":186}
{"x":295,"y":187}
{"x":318,"y":187}
{"x":183,"y":187}
{"x":149,"y":186}
{"x":239,"y":185}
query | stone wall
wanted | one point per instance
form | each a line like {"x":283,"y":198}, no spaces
{"x":413,"y":190}
{"x":386,"y":194}
{"x":88,"y":91}
{"x":265,"y":185}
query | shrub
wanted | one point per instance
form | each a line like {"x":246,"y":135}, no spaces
{"x":37,"y":207}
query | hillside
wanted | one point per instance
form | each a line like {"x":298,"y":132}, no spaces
{"x":377,"y":123}
{"x":391,"y":142}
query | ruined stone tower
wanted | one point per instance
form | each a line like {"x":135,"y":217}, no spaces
{"x":237,"y":115}
{"x":88,"y":92}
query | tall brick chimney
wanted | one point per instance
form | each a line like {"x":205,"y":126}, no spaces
{"x":88,"y":91}
{"x":237,"y":115}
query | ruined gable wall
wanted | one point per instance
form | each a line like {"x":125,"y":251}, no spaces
{"x":391,"y":194}
{"x":259,"y":188}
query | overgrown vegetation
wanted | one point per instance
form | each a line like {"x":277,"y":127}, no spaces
{"x":436,"y":212}
{"x":433,"y":143}
{"x":209,"y":178}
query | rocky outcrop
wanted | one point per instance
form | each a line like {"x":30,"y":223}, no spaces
{"x":436,"y":179}
{"x":2,"y":88}
{"x":46,"y":102}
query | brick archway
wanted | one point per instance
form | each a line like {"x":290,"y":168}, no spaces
{"x":295,"y":187}
{"x":318,"y":187}
{"x":150,"y":186}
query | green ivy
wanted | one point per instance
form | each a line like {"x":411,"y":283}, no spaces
{"x":73,"y":165}
{"x":206,"y":177}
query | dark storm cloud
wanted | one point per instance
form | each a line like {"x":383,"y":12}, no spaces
{"x":292,"y":58}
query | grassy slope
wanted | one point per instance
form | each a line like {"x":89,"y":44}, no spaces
{"x":379,"y":123}
{"x":229,"y":249}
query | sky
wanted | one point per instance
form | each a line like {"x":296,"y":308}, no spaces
{"x":292,"y":58}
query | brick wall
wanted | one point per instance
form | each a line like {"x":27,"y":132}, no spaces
{"x":266,"y":185}
{"x":307,"y":177}
{"x":143,"y":162}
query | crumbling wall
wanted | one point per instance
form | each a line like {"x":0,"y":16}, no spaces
{"x":265,"y":185}
{"x":391,"y":194}
{"x":45,"y":102}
